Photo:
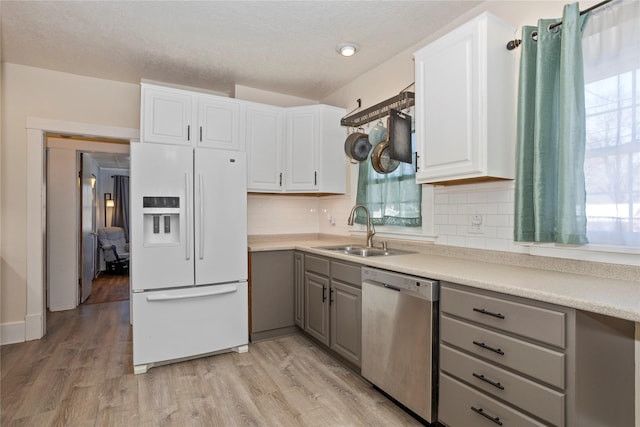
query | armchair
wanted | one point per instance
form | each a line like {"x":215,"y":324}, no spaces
{"x":115,"y":249}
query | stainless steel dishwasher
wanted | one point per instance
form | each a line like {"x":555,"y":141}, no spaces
{"x":400,"y":338}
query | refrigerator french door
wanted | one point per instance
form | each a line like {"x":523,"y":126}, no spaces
{"x":188,"y":252}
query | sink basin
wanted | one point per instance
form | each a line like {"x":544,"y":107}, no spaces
{"x":363,"y":251}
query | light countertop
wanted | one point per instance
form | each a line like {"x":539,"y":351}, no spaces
{"x":612,"y":297}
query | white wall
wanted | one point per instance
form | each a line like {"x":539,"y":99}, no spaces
{"x":39,"y":93}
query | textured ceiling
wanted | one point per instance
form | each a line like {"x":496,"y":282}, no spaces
{"x":280,"y":46}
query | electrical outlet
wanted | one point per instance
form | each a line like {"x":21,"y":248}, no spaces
{"x":476,"y":224}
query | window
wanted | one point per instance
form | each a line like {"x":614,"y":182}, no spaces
{"x":393,"y":199}
{"x":612,"y":100}
{"x":612,"y":160}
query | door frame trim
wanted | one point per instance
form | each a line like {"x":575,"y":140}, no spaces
{"x":35,"y":319}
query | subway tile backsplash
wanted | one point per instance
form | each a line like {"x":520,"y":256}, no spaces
{"x":458,"y":209}
{"x":454,"y":210}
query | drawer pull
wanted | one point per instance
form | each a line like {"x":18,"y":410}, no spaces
{"x":483,"y":345}
{"x":480,"y":411}
{"x":487,"y":380}
{"x":488,"y":313}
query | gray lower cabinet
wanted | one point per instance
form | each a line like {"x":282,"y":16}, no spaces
{"x":515,"y":362}
{"x":316,"y":308}
{"x":272,"y":294}
{"x":333,"y":305}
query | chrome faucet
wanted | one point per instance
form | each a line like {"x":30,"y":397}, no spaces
{"x":370,"y":229}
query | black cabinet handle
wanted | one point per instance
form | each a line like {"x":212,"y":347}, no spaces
{"x":200,"y":133}
{"x":315,"y":178}
{"x":483,"y":345}
{"x":480,"y":411}
{"x":188,"y":132}
{"x":280,"y":179}
{"x":324,"y":293}
{"x":488,"y":313}
{"x":487,"y":380}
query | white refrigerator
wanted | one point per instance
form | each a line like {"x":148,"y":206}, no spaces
{"x":188,"y":238}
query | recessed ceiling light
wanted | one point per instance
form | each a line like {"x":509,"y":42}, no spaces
{"x":347,"y":49}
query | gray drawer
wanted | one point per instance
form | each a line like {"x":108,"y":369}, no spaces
{"x":316,"y":264}
{"x":347,"y":273}
{"x":537,"y":323}
{"x":457,"y":401}
{"x":537,"y":362}
{"x":521,"y":392}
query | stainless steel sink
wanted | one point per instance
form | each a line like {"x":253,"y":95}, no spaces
{"x":363,"y":251}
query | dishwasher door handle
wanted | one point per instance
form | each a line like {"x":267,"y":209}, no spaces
{"x":393,"y":288}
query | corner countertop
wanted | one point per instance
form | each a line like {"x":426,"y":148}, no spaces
{"x":611,"y":297}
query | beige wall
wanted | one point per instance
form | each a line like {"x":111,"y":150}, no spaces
{"x":39,"y":93}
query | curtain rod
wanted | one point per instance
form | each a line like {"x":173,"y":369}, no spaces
{"x":516,"y":42}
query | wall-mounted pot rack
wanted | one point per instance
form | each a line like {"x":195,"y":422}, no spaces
{"x":399,"y":102}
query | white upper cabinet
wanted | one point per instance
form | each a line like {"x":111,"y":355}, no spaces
{"x":265,"y":136}
{"x":181,"y":117}
{"x":219,"y":122}
{"x":302,"y":148}
{"x":315,"y":160}
{"x":466,"y":104}
{"x":166,"y":115}
{"x":304,"y":155}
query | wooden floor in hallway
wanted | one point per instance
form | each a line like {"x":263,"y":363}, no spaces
{"x":109,"y":288}
{"x":80,"y":374}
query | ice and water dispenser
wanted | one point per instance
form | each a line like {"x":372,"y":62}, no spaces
{"x":161,"y":220}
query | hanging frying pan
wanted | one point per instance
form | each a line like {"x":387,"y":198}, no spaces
{"x":380,"y":159}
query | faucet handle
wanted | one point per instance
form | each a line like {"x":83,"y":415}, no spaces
{"x":384,"y":245}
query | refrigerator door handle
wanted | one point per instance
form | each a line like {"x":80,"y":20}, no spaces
{"x":201,"y":203}
{"x":187,"y":219}
{"x":219,"y":290}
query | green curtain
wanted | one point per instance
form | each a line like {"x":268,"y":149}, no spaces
{"x":392,"y":199}
{"x":550,"y":189}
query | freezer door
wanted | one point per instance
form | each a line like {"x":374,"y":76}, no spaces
{"x":220,"y":216}
{"x":161,"y":239}
{"x":177,"y":323}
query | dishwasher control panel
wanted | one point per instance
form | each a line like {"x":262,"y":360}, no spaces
{"x":425,"y":288}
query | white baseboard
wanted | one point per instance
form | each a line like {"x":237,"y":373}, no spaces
{"x":33,"y":327}
{"x":12,"y":332}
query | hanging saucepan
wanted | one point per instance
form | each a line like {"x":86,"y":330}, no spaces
{"x":380,"y":159}
{"x":357,"y":146}
{"x":378,"y":133}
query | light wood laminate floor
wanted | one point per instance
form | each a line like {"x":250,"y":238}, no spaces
{"x":109,"y":288}
{"x":80,"y":374}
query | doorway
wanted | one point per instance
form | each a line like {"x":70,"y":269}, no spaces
{"x":37,"y":128}
{"x":79,"y":174}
